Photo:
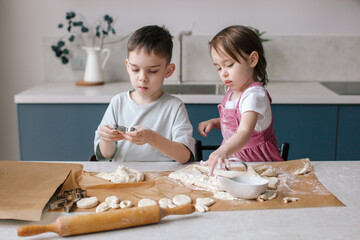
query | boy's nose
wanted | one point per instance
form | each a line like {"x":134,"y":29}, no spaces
{"x":143,"y":77}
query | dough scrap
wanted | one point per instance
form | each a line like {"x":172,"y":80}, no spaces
{"x":268,"y":195}
{"x":304,"y":170}
{"x":89,"y":202}
{"x":266,"y":171}
{"x":273,"y":182}
{"x":205,"y":201}
{"x":126,"y":204}
{"x":290,"y":199}
{"x":166,"y":203}
{"x":180,"y":200}
{"x":201,"y":208}
{"x":146,"y":202}
{"x":104,"y":206}
{"x":112,"y":199}
{"x":123,"y":175}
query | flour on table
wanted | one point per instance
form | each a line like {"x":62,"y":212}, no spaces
{"x":122,"y":175}
{"x":146,"y":202}
{"x":268,"y":195}
{"x":290,"y":199}
{"x":166,"y":203}
{"x":180,"y":200}
{"x":104,"y":206}
{"x":304,"y":170}
{"x":89,"y":202}
{"x":126,"y":204}
{"x":224,"y":196}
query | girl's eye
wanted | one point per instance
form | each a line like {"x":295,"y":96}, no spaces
{"x":230,"y":65}
{"x":219,"y":69}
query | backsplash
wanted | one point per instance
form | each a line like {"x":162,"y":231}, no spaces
{"x":289,"y":58}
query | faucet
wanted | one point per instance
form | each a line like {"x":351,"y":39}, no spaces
{"x":181,"y":34}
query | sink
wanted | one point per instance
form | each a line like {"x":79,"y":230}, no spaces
{"x":206,"y":89}
{"x":343,"y":88}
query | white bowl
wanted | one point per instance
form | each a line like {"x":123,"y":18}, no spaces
{"x":244,"y":187}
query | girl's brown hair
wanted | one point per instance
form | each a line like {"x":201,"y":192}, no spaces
{"x":237,"y":40}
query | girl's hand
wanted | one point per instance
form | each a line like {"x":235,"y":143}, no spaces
{"x":217,"y":157}
{"x":205,"y":127}
{"x":140,"y":136}
{"x":108,"y":134}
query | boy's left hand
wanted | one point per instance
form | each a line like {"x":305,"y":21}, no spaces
{"x":140,"y":136}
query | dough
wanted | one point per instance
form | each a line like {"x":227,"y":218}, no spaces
{"x":203,"y":204}
{"x":123,"y":175}
{"x":180,"y":200}
{"x":290,"y":199}
{"x":146,"y":202}
{"x":112,"y":199}
{"x":266,"y":171}
{"x":304,"y":170}
{"x":166,"y":203}
{"x":205,"y":201}
{"x":126,"y":204}
{"x":199,"y":176}
{"x":102,"y":207}
{"x":89,"y":202}
{"x":268,"y":195}
{"x":273,"y":182}
{"x":201,"y":208}
{"x":224,"y":196}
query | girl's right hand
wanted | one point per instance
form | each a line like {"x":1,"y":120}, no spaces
{"x":217,"y":157}
{"x":108,"y":134}
{"x":205,"y":127}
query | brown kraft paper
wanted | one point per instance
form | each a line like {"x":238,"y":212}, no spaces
{"x":158,"y":185}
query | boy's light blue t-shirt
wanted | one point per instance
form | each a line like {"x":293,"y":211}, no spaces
{"x":167,"y":115}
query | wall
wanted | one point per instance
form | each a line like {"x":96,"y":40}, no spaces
{"x":24,"y":24}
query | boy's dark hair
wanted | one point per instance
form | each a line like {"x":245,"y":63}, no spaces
{"x":236,"y":40}
{"x":152,"y":38}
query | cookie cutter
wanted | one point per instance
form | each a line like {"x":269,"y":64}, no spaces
{"x":68,"y":199}
{"x":123,"y":128}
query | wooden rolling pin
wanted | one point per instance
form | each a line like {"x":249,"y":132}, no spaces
{"x":97,"y":222}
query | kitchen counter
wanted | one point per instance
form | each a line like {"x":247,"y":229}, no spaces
{"x":340,"y":178}
{"x":281,"y":93}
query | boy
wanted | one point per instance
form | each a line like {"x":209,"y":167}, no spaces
{"x":162,"y":128}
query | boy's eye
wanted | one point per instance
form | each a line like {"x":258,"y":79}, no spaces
{"x":153,"y":71}
{"x":134,"y":69}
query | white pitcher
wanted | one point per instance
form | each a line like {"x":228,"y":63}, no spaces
{"x":94,"y":66}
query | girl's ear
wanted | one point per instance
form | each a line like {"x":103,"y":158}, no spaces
{"x":169,"y":70}
{"x":254,"y":58}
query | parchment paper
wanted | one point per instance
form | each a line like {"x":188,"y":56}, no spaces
{"x":26,"y":187}
{"x":158,"y":185}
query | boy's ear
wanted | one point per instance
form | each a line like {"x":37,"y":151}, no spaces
{"x":170,"y":68}
{"x":254,"y":58}
{"x":127,"y":64}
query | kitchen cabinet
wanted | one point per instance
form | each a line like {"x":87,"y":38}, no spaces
{"x":57,"y":132}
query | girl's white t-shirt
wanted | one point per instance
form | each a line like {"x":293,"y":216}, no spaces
{"x":254,"y":99}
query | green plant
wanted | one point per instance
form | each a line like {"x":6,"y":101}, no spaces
{"x":260,"y":35}
{"x":77,"y":27}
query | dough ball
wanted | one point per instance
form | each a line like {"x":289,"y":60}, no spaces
{"x":89,"y":202}
{"x":102,"y":207}
{"x":166,"y":203}
{"x":205,"y":201}
{"x":123,"y":175}
{"x":182,"y":200}
{"x":112,"y":199}
{"x":146,"y":202}
{"x":126,"y":204}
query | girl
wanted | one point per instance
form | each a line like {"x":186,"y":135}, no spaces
{"x":245,"y":113}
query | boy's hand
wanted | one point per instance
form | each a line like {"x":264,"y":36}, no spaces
{"x":205,"y":127}
{"x":108,"y":134}
{"x":140,"y":136}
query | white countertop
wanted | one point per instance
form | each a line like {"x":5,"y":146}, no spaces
{"x":281,"y":93}
{"x":342,"y":178}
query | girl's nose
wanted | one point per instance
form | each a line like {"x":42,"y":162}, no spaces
{"x":223,"y":73}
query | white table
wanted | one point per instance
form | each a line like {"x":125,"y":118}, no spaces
{"x":340,"y":178}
